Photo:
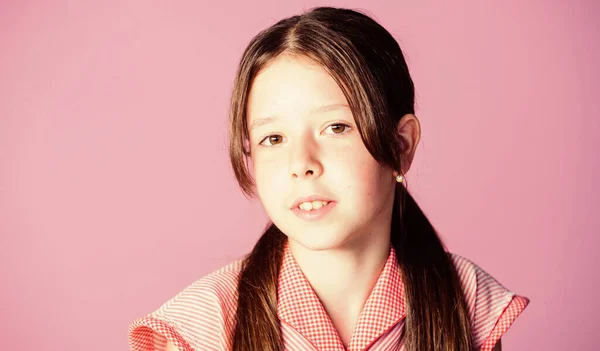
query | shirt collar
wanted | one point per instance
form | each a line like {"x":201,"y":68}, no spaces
{"x":300,"y":307}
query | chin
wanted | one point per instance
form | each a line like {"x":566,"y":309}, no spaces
{"x":316,"y":240}
{"x":326,"y":234}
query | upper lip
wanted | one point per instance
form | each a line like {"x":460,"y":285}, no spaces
{"x":308,"y":199}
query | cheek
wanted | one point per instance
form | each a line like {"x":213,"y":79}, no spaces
{"x":371,"y":182}
{"x":354,"y":160}
{"x":364,"y":177}
{"x":270,"y":180}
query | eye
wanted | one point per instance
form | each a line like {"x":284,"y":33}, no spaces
{"x":271,"y":140}
{"x":339,"y":128}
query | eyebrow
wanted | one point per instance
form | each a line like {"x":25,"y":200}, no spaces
{"x":326,"y":108}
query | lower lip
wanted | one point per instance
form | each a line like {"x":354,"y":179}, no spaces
{"x":314,"y":215}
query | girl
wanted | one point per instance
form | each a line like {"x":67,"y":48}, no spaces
{"x":323,"y":130}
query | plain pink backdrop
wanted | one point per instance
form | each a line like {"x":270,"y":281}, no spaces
{"x":116,"y":190}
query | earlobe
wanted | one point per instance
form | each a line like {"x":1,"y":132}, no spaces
{"x":399,"y":177}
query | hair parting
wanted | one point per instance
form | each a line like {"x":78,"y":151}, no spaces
{"x":369,"y":66}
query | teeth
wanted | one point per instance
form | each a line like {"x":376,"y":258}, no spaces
{"x":312,"y":205}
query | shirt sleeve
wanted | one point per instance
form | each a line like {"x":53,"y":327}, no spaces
{"x":492,"y":307}
{"x":151,"y":334}
{"x":199,"y":318}
{"x":193,"y":320}
{"x":514,"y":309}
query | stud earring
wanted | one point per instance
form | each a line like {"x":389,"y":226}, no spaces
{"x":399,"y":178}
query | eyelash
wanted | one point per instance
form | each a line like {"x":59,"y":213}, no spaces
{"x":347,"y":128}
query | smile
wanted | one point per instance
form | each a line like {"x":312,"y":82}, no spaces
{"x":313,"y":210}
{"x":312,"y":205}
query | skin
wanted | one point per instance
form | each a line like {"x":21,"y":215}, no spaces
{"x":298,"y":149}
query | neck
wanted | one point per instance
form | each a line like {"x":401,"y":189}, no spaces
{"x":344,"y":277}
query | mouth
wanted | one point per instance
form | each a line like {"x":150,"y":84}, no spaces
{"x":310,"y":203}
{"x":313,"y":210}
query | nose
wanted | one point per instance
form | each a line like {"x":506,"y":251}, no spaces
{"x":304,"y":162}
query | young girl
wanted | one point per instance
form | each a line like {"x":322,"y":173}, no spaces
{"x":323,"y":130}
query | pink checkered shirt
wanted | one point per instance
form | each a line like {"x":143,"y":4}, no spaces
{"x":201,"y":317}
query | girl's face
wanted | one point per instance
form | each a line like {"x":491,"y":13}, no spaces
{"x":304,"y":143}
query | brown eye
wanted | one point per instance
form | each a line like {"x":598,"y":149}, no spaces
{"x":338,"y":128}
{"x":272,"y":140}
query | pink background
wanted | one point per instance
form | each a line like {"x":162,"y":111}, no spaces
{"x":116,"y":190}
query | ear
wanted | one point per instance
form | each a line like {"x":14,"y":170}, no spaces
{"x":409,"y":129}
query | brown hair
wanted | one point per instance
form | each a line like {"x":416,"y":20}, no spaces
{"x":368,"y":65}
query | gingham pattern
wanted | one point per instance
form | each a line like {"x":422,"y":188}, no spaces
{"x":488,"y":303}
{"x":201,"y":316}
{"x":516,"y":306}
{"x":300,"y":308}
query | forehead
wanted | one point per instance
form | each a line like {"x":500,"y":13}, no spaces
{"x":290,"y":85}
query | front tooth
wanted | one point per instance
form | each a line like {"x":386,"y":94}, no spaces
{"x":307,"y":206}
{"x":314,"y":205}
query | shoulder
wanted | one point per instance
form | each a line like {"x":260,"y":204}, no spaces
{"x":199,"y":317}
{"x":492,"y":307}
